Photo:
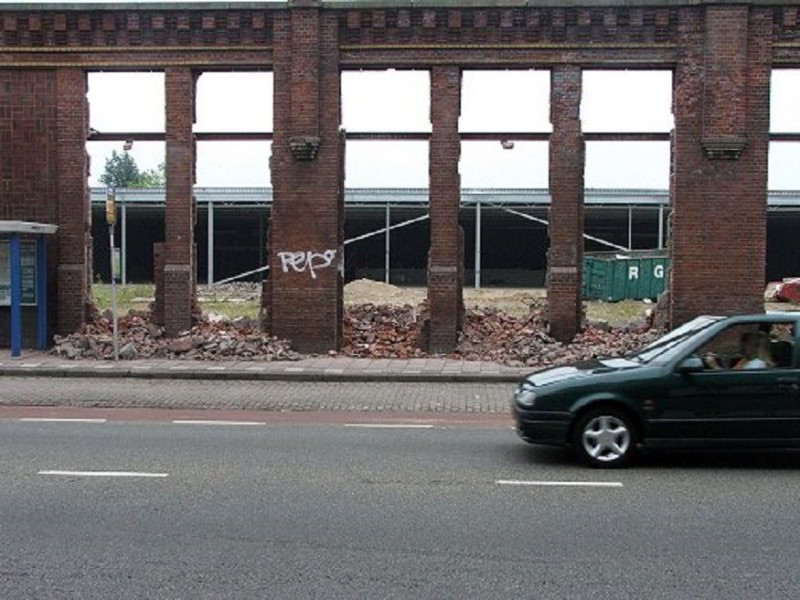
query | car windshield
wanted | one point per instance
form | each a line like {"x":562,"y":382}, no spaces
{"x":665,"y":348}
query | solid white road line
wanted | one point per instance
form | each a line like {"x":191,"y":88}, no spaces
{"x":103,"y":474}
{"x":57,"y":420}
{"x":560,"y":483}
{"x":201,"y":422}
{"x":387,"y":426}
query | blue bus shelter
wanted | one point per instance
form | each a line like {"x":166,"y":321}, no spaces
{"x":23,"y":276}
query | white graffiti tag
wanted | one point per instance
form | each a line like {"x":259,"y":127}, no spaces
{"x":302,"y":261}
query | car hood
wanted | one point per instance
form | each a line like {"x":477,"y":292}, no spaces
{"x":583,"y":369}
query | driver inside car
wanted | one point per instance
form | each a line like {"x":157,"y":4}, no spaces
{"x":753,"y":353}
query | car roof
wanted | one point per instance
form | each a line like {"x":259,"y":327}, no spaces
{"x":778,"y":315}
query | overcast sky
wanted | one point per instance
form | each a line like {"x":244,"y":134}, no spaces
{"x":512,"y":101}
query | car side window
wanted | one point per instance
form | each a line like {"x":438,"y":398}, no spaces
{"x":782,"y":336}
{"x":749,"y":346}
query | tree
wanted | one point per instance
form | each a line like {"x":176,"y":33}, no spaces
{"x":152,"y":178}
{"x":122,"y":172}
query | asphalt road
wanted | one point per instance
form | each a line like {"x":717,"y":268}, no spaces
{"x":315,"y":508}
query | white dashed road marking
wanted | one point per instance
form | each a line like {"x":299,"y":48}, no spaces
{"x":616,"y":484}
{"x":104,"y":474}
{"x":55,"y":420}
{"x":387,"y":426}
{"x":203,"y":422}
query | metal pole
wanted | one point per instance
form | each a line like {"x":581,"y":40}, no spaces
{"x":124,"y":244}
{"x":630,"y":228}
{"x":41,"y":292}
{"x":660,"y":227}
{"x":15,"y":258}
{"x":478,"y":246}
{"x":111,"y":219}
{"x":113,"y":292}
{"x":210,"y":242}
{"x":387,"y":245}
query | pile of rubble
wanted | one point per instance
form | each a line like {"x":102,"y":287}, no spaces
{"x":210,"y":339}
{"x":370,"y":331}
{"x":382,"y":331}
{"x":492,"y":335}
{"x":787,"y":290}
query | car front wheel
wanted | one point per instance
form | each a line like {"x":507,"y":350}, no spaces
{"x":605,"y":437}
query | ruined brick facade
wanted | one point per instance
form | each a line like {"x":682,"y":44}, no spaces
{"x":721,"y":56}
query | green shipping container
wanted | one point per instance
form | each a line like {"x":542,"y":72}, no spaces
{"x":614,"y":276}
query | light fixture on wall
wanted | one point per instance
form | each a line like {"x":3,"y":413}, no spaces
{"x":507,"y":144}
{"x":127,"y":145}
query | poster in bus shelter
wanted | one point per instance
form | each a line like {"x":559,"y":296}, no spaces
{"x":28,"y":273}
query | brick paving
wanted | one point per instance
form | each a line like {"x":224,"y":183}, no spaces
{"x":432,"y":385}
{"x":321,"y":368}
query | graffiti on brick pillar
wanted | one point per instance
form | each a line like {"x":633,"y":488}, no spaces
{"x":303,"y":261}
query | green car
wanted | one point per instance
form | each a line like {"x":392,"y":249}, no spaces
{"x":714,"y":382}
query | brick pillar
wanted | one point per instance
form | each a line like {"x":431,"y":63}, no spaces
{"x":304,"y":296}
{"x":73,"y":271}
{"x":565,"y":255}
{"x":157,"y":306}
{"x":179,"y":272}
{"x":444,"y":260}
{"x":719,"y":152}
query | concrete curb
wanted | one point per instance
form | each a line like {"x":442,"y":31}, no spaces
{"x":252,"y":374}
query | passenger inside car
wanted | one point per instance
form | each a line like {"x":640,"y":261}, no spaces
{"x":755,"y":352}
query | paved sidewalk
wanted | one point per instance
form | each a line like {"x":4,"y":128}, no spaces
{"x":321,"y":368}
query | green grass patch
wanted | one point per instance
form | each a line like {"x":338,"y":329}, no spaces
{"x":616,"y":313}
{"x":129,"y":296}
{"x":232,"y":309}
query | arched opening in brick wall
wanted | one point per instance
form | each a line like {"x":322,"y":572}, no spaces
{"x":126,"y":116}
{"x":234,"y":124}
{"x":504,"y":125}
{"x":386,"y":115}
{"x":626,"y":118}
{"x":783,"y":219}
{"x":784,"y":149}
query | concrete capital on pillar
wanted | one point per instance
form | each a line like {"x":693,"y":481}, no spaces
{"x":304,"y":147}
{"x":724,"y":148}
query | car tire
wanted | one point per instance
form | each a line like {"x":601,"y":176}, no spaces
{"x":605,"y":438}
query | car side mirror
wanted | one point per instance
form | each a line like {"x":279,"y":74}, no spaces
{"x":692,"y":364}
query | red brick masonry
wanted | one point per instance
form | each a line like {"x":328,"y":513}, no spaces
{"x":721,"y":56}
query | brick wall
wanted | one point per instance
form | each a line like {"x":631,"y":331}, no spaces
{"x":43,"y":176}
{"x":74,"y":268}
{"x":719,"y":178}
{"x":445,"y":262}
{"x":179,"y":273}
{"x":304,"y":294}
{"x":721,"y":56}
{"x":565,"y":255}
